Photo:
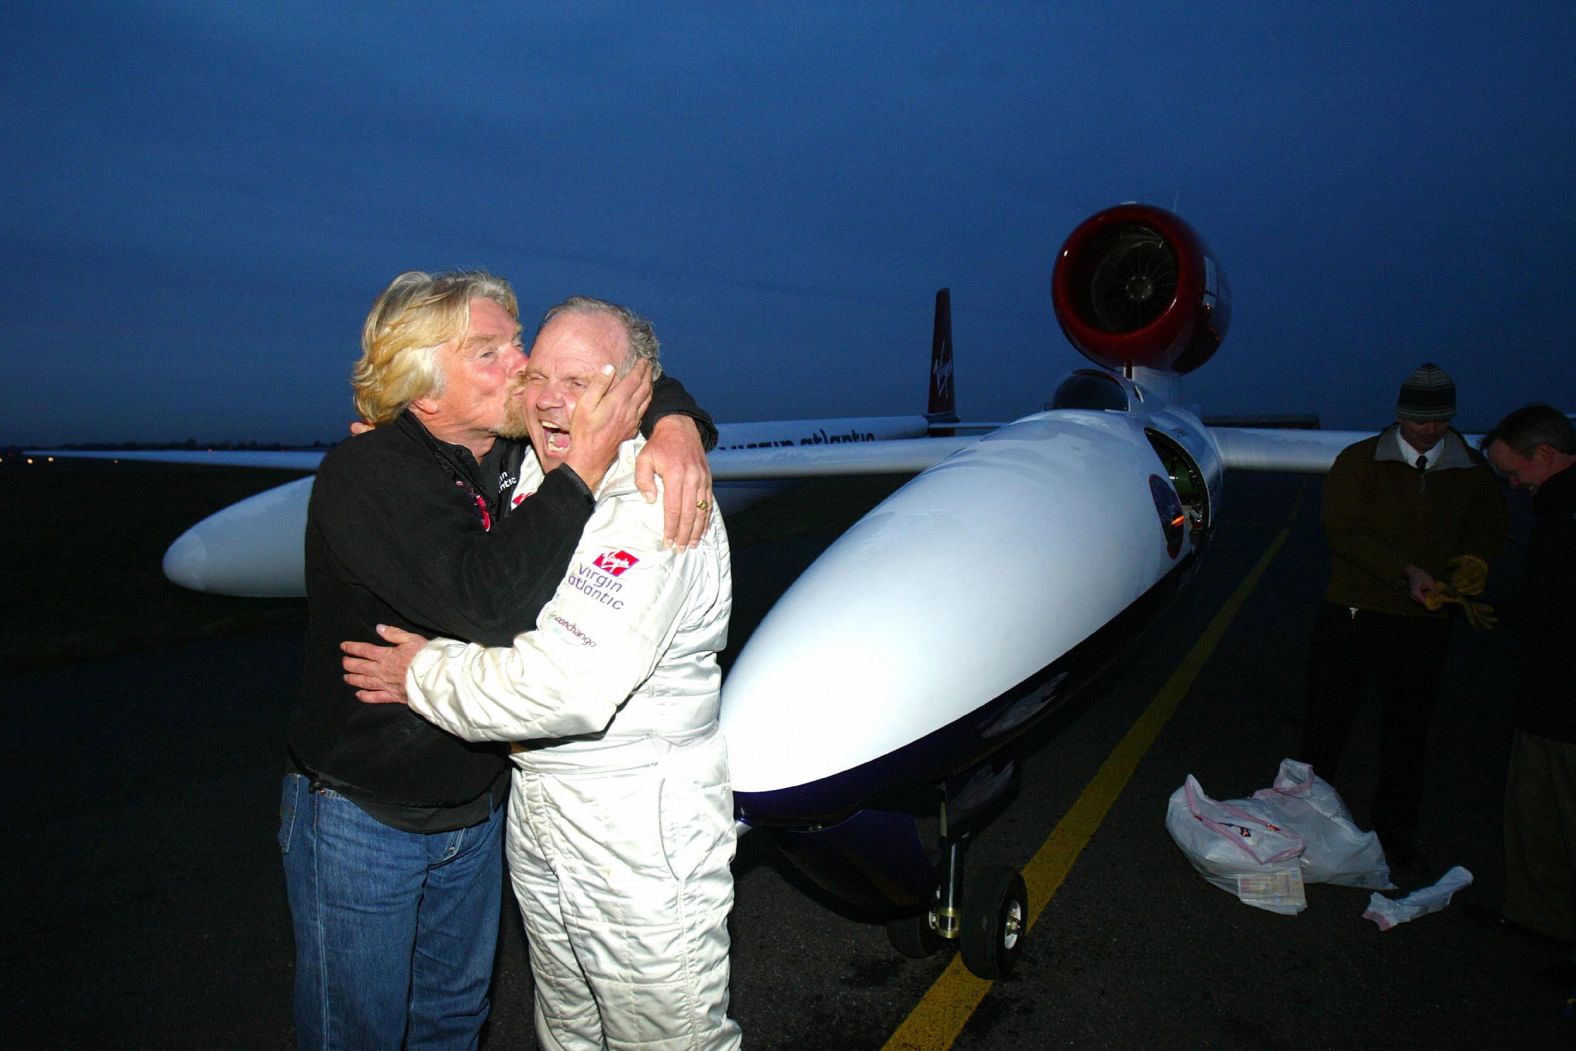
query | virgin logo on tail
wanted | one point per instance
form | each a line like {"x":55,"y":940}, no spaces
{"x":613,"y":563}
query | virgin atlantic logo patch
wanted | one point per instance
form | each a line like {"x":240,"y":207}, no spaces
{"x":613,"y":563}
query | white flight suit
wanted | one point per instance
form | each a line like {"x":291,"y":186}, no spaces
{"x":621,"y":828}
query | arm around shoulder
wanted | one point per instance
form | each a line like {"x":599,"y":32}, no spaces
{"x":669,"y":398}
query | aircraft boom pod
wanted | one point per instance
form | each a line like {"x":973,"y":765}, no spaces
{"x":1012,"y":552}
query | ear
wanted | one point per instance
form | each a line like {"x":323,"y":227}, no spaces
{"x":425,"y":406}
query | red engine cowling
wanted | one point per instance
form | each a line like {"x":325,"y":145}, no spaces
{"x":1134,"y":285}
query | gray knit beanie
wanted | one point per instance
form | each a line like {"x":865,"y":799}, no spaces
{"x":1428,"y":394}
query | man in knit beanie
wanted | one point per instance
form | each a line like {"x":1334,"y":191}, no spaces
{"x":1405,"y":511}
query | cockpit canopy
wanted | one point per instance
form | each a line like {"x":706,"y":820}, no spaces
{"x":1090,"y":389}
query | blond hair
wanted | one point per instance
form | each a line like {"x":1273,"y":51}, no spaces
{"x":413,"y":317}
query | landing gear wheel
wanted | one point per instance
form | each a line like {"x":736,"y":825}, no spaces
{"x":995,"y":917}
{"x":916,"y":936}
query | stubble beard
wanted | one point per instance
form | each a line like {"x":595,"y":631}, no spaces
{"x":514,"y":426}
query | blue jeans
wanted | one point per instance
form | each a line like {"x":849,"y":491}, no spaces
{"x":394,"y":931}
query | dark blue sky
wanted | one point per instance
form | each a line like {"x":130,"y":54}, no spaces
{"x":202,"y":199}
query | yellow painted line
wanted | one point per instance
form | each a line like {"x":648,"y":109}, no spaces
{"x":945,"y":1009}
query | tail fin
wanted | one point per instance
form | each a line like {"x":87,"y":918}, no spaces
{"x":943,"y":407}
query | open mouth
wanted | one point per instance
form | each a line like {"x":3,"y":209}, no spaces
{"x":555,"y":439}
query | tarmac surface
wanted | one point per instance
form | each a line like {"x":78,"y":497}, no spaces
{"x":145,"y":905}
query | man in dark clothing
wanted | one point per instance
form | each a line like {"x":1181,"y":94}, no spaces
{"x":1535,"y":448}
{"x":392,"y":829}
{"x":1402,"y":510}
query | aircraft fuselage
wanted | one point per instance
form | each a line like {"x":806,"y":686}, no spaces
{"x":968,"y":604}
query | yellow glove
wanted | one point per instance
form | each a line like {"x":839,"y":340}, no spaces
{"x":1468,"y":574}
{"x":1478,"y":614}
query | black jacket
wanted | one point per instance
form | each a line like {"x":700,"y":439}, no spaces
{"x":407,"y":530}
{"x":1542,"y":614}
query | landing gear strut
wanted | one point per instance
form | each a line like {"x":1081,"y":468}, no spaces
{"x":988,"y":921}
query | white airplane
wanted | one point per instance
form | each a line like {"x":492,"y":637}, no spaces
{"x":856,"y":707}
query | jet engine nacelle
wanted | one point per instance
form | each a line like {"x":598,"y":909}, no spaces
{"x":1135,"y":286}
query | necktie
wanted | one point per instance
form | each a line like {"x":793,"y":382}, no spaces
{"x":1422,"y":463}
{"x":1422,"y":475}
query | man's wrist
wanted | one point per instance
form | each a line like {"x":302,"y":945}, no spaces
{"x":572,"y":478}
{"x":676,"y":419}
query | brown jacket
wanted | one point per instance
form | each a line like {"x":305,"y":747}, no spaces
{"x":1381,"y":514}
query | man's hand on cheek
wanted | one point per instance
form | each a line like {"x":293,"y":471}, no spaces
{"x":606,"y":415}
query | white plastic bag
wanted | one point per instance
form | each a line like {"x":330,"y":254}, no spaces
{"x":1239,"y":846}
{"x":1336,"y":850}
{"x":1265,"y":848}
{"x":1388,"y":912}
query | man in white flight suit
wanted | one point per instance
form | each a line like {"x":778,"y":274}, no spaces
{"x":621,"y":829}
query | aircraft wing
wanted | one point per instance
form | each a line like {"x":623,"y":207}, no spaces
{"x":899,"y":456}
{"x":1289,"y":450}
{"x":776,"y":445}
{"x":1282,"y":449}
{"x":864,"y":456}
{"x":1242,"y":448}
{"x":253,"y":547}
{"x":304,"y":460}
